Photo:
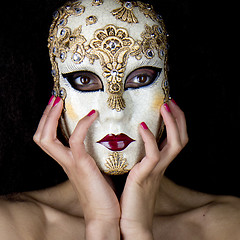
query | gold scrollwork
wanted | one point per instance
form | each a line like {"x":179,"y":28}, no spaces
{"x":125,"y":13}
{"x":112,"y":45}
{"x":116,"y":164}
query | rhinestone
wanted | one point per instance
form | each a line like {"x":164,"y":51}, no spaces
{"x":150,"y":53}
{"x":114,"y":72}
{"x":63,"y":32}
{"x":53,"y":72}
{"x":112,"y":45}
{"x":54,"y":50}
{"x":78,"y":10}
{"x":55,"y":14}
{"x":54,"y":93}
{"x":159,"y":17}
{"x":162,"y":53}
{"x":76,"y":57}
{"x":153,"y":35}
{"x":128,"y":5}
{"x":62,"y":55}
{"x":61,"y":22}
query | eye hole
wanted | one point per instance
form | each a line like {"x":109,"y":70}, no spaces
{"x":84,"y":81}
{"x":142,"y":77}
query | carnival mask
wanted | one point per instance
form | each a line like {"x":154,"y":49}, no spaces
{"x":110,"y":56}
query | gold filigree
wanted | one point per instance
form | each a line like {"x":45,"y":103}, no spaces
{"x":97,"y":2}
{"x":125,"y":13}
{"x":148,"y":10}
{"x":154,"y":38}
{"x":113,"y":46}
{"x":116,"y":164}
{"x":91,"y":20}
{"x":61,"y":39}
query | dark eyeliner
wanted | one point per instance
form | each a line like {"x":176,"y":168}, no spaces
{"x":156,"y":76}
{"x":72,"y":76}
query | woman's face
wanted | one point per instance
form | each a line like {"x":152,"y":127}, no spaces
{"x":118,"y":70}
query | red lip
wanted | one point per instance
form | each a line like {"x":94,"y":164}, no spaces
{"x":116,"y":142}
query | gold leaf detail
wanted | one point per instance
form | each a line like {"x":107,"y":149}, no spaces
{"x":116,"y":164}
{"x":125,"y":13}
{"x":116,"y":102}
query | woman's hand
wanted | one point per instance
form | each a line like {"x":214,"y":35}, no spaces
{"x":142,"y":185}
{"x":98,"y":201}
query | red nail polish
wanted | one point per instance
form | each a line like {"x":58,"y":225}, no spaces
{"x":167,"y":107}
{"x":91,"y":113}
{"x":52,"y":97}
{"x":173,"y":101}
{"x":144,"y":125}
{"x":57,"y":100}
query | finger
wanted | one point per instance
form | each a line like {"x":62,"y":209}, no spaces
{"x":48,"y":139}
{"x":148,"y":163}
{"x":77,"y":138}
{"x":180,"y":120}
{"x":49,"y":131}
{"x":173,"y":145}
{"x":38,"y":132}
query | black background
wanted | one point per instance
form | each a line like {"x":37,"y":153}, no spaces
{"x":201,"y":57}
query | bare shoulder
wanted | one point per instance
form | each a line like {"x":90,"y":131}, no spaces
{"x":221,"y":218}
{"x":47,"y":214}
{"x":20,"y":219}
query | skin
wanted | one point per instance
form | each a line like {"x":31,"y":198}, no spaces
{"x":86,"y":207}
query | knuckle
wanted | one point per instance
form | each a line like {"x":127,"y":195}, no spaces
{"x":36,"y":138}
{"x":177,"y":148}
{"x":73,"y":140}
{"x":45,"y":142}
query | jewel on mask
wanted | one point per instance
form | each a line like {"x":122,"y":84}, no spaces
{"x":91,"y":20}
{"x":76,"y":57}
{"x":125,"y":13}
{"x":62,"y":93}
{"x":150,"y":53}
{"x":63,"y":56}
{"x":116,"y":164}
{"x":97,"y":2}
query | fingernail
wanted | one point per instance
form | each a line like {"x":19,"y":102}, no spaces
{"x":52,"y":97}
{"x":167,"y":107}
{"x":173,"y":101}
{"x":91,"y":113}
{"x":144,"y":125}
{"x":57,"y":100}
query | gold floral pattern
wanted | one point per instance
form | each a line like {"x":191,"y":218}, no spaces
{"x":61,"y":40}
{"x":125,"y":13}
{"x":116,"y":164}
{"x":148,"y":11}
{"x":113,"y":46}
{"x":154,"y":38}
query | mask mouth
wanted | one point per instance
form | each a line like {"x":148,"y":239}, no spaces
{"x":116,"y":142}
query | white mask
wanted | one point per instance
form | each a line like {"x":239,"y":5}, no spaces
{"x":110,"y":56}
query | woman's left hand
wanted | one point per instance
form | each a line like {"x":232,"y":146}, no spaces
{"x":142,"y":185}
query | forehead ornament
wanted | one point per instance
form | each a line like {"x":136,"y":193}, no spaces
{"x":111,"y":45}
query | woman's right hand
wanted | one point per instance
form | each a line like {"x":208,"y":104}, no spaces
{"x":97,"y":199}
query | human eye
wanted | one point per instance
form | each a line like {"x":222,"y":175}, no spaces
{"x":142,"y":77}
{"x":84,"y":81}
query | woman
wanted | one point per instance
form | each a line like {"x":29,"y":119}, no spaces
{"x":121,"y":72}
